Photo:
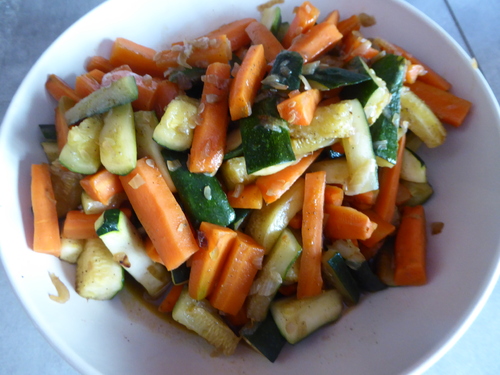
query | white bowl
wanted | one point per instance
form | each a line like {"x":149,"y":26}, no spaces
{"x":399,"y":330}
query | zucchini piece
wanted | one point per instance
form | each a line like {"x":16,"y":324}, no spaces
{"x":384,"y":261}
{"x":363,"y":176}
{"x":338,"y":276}
{"x":233,"y":145}
{"x":420,"y":192}
{"x":117,"y":141}
{"x":385,"y":141}
{"x":303,"y":146}
{"x":200,"y":317}
{"x":48,"y":132}
{"x":265,"y":338}
{"x":81,"y":152}
{"x":271,"y":18}
{"x":266,"y":142}
{"x":413,"y":168}
{"x":176,"y":128}
{"x":241,"y":214}
{"x":234,"y":172}
{"x":124,"y":242}
{"x":329,"y":77}
{"x":285,"y":72}
{"x":202,"y":195}
{"x":67,"y":188}
{"x":180,"y":275}
{"x":121,"y":91}
{"x":51,"y":150}
{"x":298,"y":318}
{"x":267,"y":282}
{"x":421,"y":120}
{"x":98,"y":276}
{"x":71,"y":249}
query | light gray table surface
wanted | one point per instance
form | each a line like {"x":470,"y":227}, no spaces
{"x":28,"y":27}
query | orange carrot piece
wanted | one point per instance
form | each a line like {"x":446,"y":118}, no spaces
{"x":334,"y":195}
{"x":275,"y":185}
{"x":413,"y":71}
{"x":348,"y":25}
{"x":385,"y":205}
{"x":151,"y":250}
{"x":403,"y":195}
{"x":140,"y":58}
{"x":296,"y":221}
{"x":430,"y":77}
{"x":79,"y":226}
{"x":96,"y":74}
{"x":235,"y":32}
{"x":383,"y":229}
{"x":410,"y":248}
{"x":46,"y":236}
{"x":363,"y":201}
{"x":85,"y":84}
{"x":247,"y":83}
{"x":202,"y":53}
{"x":102,"y":185}
{"x":99,"y":63}
{"x":346,"y":223}
{"x":310,"y":281}
{"x":319,"y":39}
{"x":354,"y":44}
{"x":207,"y":264}
{"x":146,"y":88}
{"x":259,"y":34}
{"x":62,"y":127}
{"x":239,"y":319}
{"x":209,"y":138}
{"x":168,"y":303}
{"x":447,"y":107}
{"x":159,"y":213}
{"x":299,"y":109}
{"x":242,"y":264}
{"x":165,"y":93}
{"x":58,"y":88}
{"x":305,"y":18}
{"x":338,"y":147}
{"x":249,"y":197}
{"x":333,"y":17}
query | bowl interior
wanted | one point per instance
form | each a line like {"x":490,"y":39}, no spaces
{"x":398,"y":330}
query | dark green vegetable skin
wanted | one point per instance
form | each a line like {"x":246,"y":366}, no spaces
{"x":342,"y":279}
{"x":110,"y":222}
{"x":287,"y":69}
{"x":332,"y":77}
{"x":266,"y":338}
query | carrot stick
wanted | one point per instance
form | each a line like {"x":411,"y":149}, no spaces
{"x":168,"y":303}
{"x":333,"y":17}
{"x":242,"y":264}
{"x":385,"y":205}
{"x":235,"y":32}
{"x":151,"y":250}
{"x":310,"y":281}
{"x":447,"y":107}
{"x":383,"y":229}
{"x":57,"y":88}
{"x":348,"y":25}
{"x":100,"y":63}
{"x":275,"y":185}
{"x":247,"y":82}
{"x":334,"y":195}
{"x":354,"y":44}
{"x":138,"y":57}
{"x":259,"y":34}
{"x":159,"y":213}
{"x":79,"y":226}
{"x":96,"y":74}
{"x":165,"y":93}
{"x":62,"y":127}
{"x":430,"y":77}
{"x":346,"y":223}
{"x":46,"y":237}
{"x":305,"y":18}
{"x":146,"y":88}
{"x":249,"y":197}
{"x":207,"y":264}
{"x":296,"y":221}
{"x":363,"y":201}
{"x":85,"y":84}
{"x":209,"y":138}
{"x":102,"y":185}
{"x":410,"y":248}
{"x":199,"y":53}
{"x":299,"y":109}
{"x":319,"y":39}
{"x":239,"y":319}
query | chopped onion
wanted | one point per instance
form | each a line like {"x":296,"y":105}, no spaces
{"x":207,"y":192}
{"x":136,"y":182}
{"x":62,"y":291}
{"x":173,"y":165}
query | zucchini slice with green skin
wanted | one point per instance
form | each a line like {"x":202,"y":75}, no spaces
{"x":51,"y":150}
{"x":413,"y":168}
{"x":121,"y":91}
{"x":337,"y":171}
{"x":267,"y":282}
{"x":201,"y":195}
{"x":385,"y":141}
{"x":98,"y":276}
{"x":202,"y":318}
{"x":338,"y":275}
{"x":48,"y":132}
{"x":298,"y":318}
{"x":180,"y":275}
{"x":81,"y":153}
{"x":234,"y":171}
{"x":271,"y":18}
{"x":285,"y":72}
{"x":420,"y":192}
{"x":265,"y":338}
{"x":117,"y":140}
{"x":327,"y":78}
{"x":71,"y":249}
{"x":124,"y":242}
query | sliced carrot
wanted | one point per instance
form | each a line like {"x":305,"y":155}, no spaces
{"x":296,"y":221}
{"x":383,"y":229}
{"x":299,"y":109}
{"x":86,"y":84}
{"x":447,"y":107}
{"x":403,"y":195}
{"x":239,"y":319}
{"x":79,"y":226}
{"x":99,"y":63}
{"x":346,"y":223}
{"x":140,"y":58}
{"x":97,"y":75}
{"x":413,"y":71}
{"x":363,"y":201}
{"x":247,"y":83}
{"x":62,"y":127}
{"x":310,"y":281}
{"x":168,"y":303}
{"x":260,"y":34}
{"x":319,"y":39}
{"x":199,"y":53}
{"x":159,"y":213}
{"x":410,"y":248}
{"x":348,"y":25}
{"x":102,"y":185}
{"x":354,"y":44}
{"x":275,"y":185}
{"x":334,"y":195}
{"x":151,"y":250}
{"x":46,"y":236}
{"x":236,"y":279}
{"x":338,"y":147}
{"x":333,"y":17}
{"x":235,"y":32}
{"x":305,"y":18}
{"x":207,"y":264}
{"x":58,"y":88}
{"x":209,"y":138}
{"x":165,"y":93}
{"x":146,"y":89}
{"x":385,"y":205}
{"x":249,"y":197}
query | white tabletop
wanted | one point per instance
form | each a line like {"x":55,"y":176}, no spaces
{"x":27,"y":27}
